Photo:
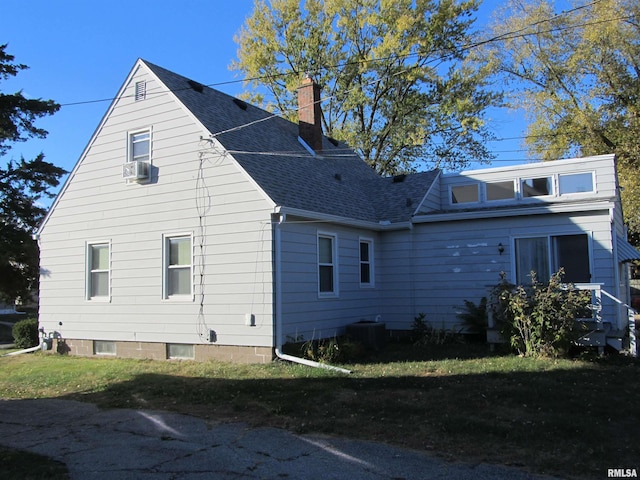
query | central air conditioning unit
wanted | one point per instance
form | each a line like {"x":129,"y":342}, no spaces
{"x":135,"y":170}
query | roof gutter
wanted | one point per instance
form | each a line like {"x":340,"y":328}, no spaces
{"x":569,"y":207}
{"x":382,"y":225}
{"x":278,"y":219}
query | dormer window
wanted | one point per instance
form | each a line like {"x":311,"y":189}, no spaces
{"x":500,"y":191}
{"x":465,"y":194}
{"x":537,"y":187}
{"x":575,"y":183}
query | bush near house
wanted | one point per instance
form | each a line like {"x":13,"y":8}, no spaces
{"x":25,"y":333}
{"x":539,"y":320}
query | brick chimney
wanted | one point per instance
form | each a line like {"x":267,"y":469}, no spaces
{"x":309,"y":114}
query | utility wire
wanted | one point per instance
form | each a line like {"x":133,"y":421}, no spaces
{"x":497,"y":38}
{"x":504,"y":36}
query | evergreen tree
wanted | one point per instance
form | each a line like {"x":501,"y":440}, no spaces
{"x":23,"y":184}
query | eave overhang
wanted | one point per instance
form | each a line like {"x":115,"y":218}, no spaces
{"x":338,"y":220}
{"x":548,"y":208}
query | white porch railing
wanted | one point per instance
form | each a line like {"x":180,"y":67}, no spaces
{"x":624,"y":320}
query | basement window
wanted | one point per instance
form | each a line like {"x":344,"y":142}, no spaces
{"x":101,"y":347}
{"x":180,"y":351}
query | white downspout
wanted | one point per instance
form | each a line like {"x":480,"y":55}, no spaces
{"x":26,"y":350}
{"x":41,"y":346}
{"x":278,"y":306}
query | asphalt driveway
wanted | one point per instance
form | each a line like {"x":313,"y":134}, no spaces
{"x":138,"y":444}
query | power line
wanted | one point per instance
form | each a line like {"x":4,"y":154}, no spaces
{"x":519,"y":33}
{"x":501,"y":37}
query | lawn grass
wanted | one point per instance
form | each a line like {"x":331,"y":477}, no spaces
{"x":573,"y":418}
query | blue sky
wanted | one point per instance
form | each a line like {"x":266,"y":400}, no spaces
{"x":81,"y":51}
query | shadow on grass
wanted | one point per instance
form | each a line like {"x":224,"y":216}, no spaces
{"x":575,"y":422}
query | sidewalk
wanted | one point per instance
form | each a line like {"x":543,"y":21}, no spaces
{"x":144,"y":445}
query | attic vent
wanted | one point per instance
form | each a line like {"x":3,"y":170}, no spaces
{"x":409,"y":202}
{"x":198,"y":87}
{"x":241,"y":105}
{"x":338,"y":176}
{"x":399,"y":178}
{"x":333,"y":141}
{"x":141,"y":90}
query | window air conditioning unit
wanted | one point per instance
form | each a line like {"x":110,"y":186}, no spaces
{"x":135,"y":170}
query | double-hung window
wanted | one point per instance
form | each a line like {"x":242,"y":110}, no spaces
{"x":327,"y":265}
{"x":98,"y":271}
{"x":140,"y":146}
{"x":545,"y":255}
{"x":178,"y":267}
{"x":366,"y":263}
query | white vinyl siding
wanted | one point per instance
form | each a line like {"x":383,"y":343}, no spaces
{"x":98,"y":271}
{"x":310,"y":315}
{"x":178,"y":267}
{"x":232,"y":260}
{"x":442,"y":264}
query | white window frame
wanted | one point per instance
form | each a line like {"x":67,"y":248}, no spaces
{"x":464,"y":185}
{"x":166,"y":267}
{"x":333,"y":264}
{"x":89,"y":271}
{"x":130,"y":141}
{"x":551,"y":260}
{"x":514,"y":191}
{"x":369,"y":242}
{"x":551,"y":178}
{"x":570,"y":174}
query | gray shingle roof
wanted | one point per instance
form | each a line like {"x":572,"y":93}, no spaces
{"x":338,"y":182}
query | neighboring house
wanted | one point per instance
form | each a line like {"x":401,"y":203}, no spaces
{"x":197,"y":226}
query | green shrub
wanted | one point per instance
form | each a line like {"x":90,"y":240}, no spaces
{"x":328,"y":350}
{"x":25,"y":333}
{"x":475,"y":318}
{"x":539,"y":320}
{"x":423,"y":333}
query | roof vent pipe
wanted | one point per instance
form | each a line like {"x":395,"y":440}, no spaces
{"x":310,"y":114}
